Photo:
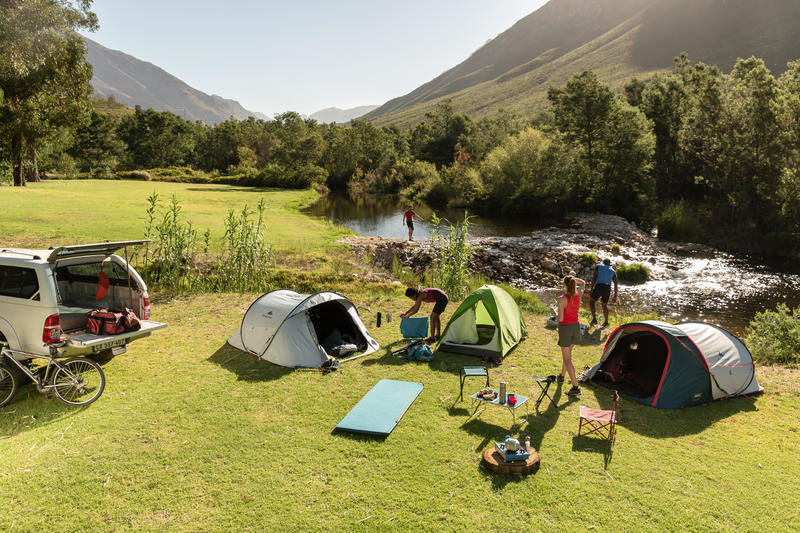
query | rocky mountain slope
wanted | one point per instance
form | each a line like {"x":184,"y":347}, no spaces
{"x":618,"y":39}
{"x":134,"y":82}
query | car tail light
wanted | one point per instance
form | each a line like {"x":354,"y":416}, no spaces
{"x":52,"y":329}
{"x":146,"y":301}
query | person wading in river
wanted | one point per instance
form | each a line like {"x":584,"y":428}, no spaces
{"x":430,"y":295}
{"x":408,"y":220}
{"x":602,"y":278}
{"x":569,"y":330}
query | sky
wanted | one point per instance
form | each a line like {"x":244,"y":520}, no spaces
{"x":304,"y":55}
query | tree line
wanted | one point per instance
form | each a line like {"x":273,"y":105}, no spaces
{"x":700,"y":154}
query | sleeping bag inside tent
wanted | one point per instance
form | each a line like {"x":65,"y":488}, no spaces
{"x":672,"y":366}
{"x":487,"y":324}
{"x":300,"y":330}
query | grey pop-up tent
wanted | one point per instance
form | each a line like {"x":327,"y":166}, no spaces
{"x":299,"y":330}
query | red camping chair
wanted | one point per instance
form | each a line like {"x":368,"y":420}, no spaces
{"x":600,"y":420}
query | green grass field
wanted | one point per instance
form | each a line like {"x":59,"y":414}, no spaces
{"x":192,"y":435}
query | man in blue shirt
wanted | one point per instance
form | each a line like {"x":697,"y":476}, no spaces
{"x":603,"y":276}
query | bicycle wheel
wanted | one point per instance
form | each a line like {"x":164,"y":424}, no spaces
{"x":8,"y":384}
{"x":78,"y":381}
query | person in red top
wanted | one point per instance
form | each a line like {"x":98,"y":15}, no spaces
{"x":408,"y":220}
{"x":431,"y":295}
{"x":569,"y":330}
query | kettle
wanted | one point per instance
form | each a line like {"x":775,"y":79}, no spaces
{"x":512,"y":445}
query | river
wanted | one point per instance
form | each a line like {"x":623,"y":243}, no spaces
{"x":705,"y":284}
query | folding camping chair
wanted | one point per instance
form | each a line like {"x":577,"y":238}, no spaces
{"x":469,"y":372}
{"x":600,"y":420}
{"x":544,"y":384}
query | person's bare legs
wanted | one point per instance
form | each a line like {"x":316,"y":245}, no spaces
{"x":593,"y":309}
{"x":566,"y":364}
{"x":410,"y":234}
{"x":436,"y":325}
{"x":605,"y":311}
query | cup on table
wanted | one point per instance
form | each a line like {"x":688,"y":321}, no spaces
{"x":512,"y":399}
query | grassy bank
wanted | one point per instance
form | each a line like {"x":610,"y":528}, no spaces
{"x":192,"y":435}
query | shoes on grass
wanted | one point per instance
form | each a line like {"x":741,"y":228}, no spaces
{"x":593,"y":322}
{"x":560,"y":378}
{"x":605,"y":324}
{"x":574,"y":391}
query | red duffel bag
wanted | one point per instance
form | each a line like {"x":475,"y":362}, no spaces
{"x":112,"y":321}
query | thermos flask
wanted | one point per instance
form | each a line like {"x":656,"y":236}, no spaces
{"x":502,"y":397}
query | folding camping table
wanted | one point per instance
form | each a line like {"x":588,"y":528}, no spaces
{"x":512,"y":408}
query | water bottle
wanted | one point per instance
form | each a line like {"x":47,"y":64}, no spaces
{"x":379,"y":319}
{"x":528,"y":444}
{"x":388,"y":317}
{"x":502,"y":396}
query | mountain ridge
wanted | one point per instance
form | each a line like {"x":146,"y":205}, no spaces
{"x":618,"y":39}
{"x":132,"y":81}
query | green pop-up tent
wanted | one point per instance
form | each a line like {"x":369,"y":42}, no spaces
{"x":487,"y":324}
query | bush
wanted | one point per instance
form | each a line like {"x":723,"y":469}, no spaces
{"x":451,"y":269}
{"x":136,"y":175}
{"x":588,"y":259}
{"x":633,"y":272}
{"x":774,"y":337}
{"x":615,"y":249}
{"x":678,"y":223}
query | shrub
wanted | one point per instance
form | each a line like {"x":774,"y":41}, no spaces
{"x":615,"y":249}
{"x":247,"y":258}
{"x":678,"y":223}
{"x":102,"y":173}
{"x":633,"y":272}
{"x":418,"y":178}
{"x":170,"y":258}
{"x":774,"y":336}
{"x":526,"y":301}
{"x":588,"y":259}
{"x":405,"y":276}
{"x":451,"y":269}
{"x":136,"y":175}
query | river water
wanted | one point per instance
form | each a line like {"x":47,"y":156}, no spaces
{"x":706,"y":285}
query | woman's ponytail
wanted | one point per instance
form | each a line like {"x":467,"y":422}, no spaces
{"x":572,"y":289}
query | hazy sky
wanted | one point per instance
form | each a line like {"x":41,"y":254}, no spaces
{"x":304,"y":55}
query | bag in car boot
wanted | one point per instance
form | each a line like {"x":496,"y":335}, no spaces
{"x":112,"y":321}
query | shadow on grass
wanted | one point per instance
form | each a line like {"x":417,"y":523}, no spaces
{"x":595,"y":338}
{"x":359,"y":437}
{"x":247,"y":367}
{"x":585,"y":443}
{"x":30,"y":409}
{"x":667,"y":423}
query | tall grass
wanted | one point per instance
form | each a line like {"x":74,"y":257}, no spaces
{"x":247,"y":256}
{"x":170,"y":260}
{"x":451,"y":268}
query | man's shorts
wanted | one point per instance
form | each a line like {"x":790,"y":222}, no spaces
{"x":569,"y":334}
{"x":602,"y":292}
{"x":439,"y":306}
{"x":410,"y":224}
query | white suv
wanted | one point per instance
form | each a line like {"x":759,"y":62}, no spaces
{"x":47,"y":295}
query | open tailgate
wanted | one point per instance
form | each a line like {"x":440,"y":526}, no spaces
{"x":103,"y":342}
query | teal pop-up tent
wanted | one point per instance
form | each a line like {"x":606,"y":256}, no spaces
{"x":672,"y":366}
{"x":487,"y":324}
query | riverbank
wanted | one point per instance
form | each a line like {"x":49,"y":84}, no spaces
{"x":687,"y":281}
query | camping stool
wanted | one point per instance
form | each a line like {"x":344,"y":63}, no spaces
{"x":600,"y":421}
{"x":469,"y":372}
{"x":544,"y":384}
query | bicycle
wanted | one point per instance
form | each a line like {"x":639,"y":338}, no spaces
{"x":77,"y":381}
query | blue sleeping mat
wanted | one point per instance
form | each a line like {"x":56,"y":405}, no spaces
{"x":379,"y":411}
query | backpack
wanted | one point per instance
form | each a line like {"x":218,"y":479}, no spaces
{"x":112,"y":321}
{"x":418,"y":351}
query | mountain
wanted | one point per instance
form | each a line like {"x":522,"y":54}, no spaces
{"x":134,"y":82}
{"x":334,"y":114}
{"x":618,"y":39}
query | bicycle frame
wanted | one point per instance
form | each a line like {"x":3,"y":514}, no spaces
{"x":52,"y":366}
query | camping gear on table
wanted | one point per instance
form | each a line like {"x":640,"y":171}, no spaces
{"x":511,"y":453}
{"x":112,"y":321}
{"x":299,"y":330}
{"x":379,"y":411}
{"x":487,"y":324}
{"x":415,"y":327}
{"x":671,"y":366}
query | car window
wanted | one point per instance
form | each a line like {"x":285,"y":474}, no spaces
{"x":18,"y":282}
{"x":89,"y":272}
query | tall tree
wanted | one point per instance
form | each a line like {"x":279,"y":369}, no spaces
{"x":43,"y":71}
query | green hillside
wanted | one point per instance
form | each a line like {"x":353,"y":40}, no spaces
{"x":618,"y":39}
